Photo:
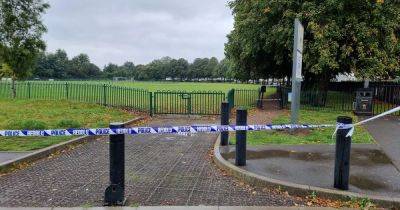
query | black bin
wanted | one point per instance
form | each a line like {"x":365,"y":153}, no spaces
{"x":364,"y":99}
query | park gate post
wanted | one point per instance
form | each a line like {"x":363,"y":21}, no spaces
{"x":241,"y":137}
{"x":115,"y":192}
{"x":342,"y":155}
{"x":261,"y":92}
{"x":225,"y":121}
{"x":231,"y":98}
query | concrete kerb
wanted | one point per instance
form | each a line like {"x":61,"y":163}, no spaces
{"x":293,"y":188}
{"x":8,"y":166}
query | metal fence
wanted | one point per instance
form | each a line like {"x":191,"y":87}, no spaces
{"x":159,"y":102}
{"x":385,"y":97}
{"x":246,"y":98}
{"x":103,"y":94}
{"x":192,"y":103}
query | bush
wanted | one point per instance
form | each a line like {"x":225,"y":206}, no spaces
{"x":68,"y":123}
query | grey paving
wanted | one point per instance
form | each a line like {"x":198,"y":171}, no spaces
{"x":371,"y":171}
{"x":386,"y":131}
{"x":178,"y":208}
{"x":160,"y":170}
{"x":6,"y":156}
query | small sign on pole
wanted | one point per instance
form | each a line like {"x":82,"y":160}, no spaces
{"x":297,"y":70}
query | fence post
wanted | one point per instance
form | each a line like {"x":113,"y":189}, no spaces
{"x":29,"y":90}
{"x":66,"y":91}
{"x":342,"y":155}
{"x":261,"y":92}
{"x":151,"y":108}
{"x":231,"y":98}
{"x":189,"y":108}
{"x":104,"y":94}
{"x":225,"y":121}
{"x":241,"y":137}
{"x":115,"y":192}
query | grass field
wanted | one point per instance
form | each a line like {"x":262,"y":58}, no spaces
{"x":42,"y":114}
{"x":316,"y":136}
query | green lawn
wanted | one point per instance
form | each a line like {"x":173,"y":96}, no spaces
{"x":42,"y":114}
{"x":316,"y":136}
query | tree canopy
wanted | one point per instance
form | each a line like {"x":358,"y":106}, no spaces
{"x":21,"y":31}
{"x":58,"y":66}
{"x":341,"y":36}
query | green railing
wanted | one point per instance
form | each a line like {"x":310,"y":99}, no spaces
{"x":181,"y":102}
{"x":159,"y":102}
{"x":103,"y":94}
{"x":246,"y":98}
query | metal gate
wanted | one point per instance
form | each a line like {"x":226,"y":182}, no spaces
{"x":190,"y":103}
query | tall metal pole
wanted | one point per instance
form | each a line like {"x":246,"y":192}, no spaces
{"x":296,"y":72}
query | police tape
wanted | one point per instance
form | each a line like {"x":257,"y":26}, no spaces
{"x":156,"y":130}
{"x":352,"y":127}
{"x":185,"y":129}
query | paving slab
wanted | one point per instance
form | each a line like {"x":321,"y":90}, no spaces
{"x":176,"y":208}
{"x":386,"y":132}
{"x":371,"y":171}
{"x":161,"y":170}
{"x":6,"y":156}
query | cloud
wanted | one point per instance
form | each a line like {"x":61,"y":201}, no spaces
{"x":138,"y":30}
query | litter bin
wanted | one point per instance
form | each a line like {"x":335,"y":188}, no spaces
{"x":363,"y":103}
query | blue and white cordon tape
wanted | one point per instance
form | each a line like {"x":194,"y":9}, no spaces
{"x":154,"y":130}
{"x":182,"y":129}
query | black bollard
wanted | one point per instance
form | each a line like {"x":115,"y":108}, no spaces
{"x":241,"y":137}
{"x":342,"y":155}
{"x":224,"y":121}
{"x":115,"y":192}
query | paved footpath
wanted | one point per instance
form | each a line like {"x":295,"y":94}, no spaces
{"x":6,"y":156}
{"x":160,"y":170}
{"x":386,"y":131}
{"x":181,"y":208}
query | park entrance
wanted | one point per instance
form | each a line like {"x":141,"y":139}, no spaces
{"x":188,"y":103}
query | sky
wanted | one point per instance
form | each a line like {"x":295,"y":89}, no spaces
{"x":138,"y":30}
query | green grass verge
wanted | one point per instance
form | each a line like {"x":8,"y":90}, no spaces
{"x":316,"y":136}
{"x":42,"y":114}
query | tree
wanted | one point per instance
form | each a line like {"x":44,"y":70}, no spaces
{"x":223,"y":70}
{"x":198,"y":69}
{"x":21,"y":31}
{"x":81,"y":67}
{"x":51,"y":65}
{"x":61,"y":64}
{"x":128,"y":69}
{"x":178,"y":68}
{"x":110,"y":70}
{"x":44,"y":66}
{"x":341,"y":36}
{"x":157,"y":69}
{"x":211,"y":67}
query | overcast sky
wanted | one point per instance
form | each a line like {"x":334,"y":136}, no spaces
{"x":138,"y":30}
